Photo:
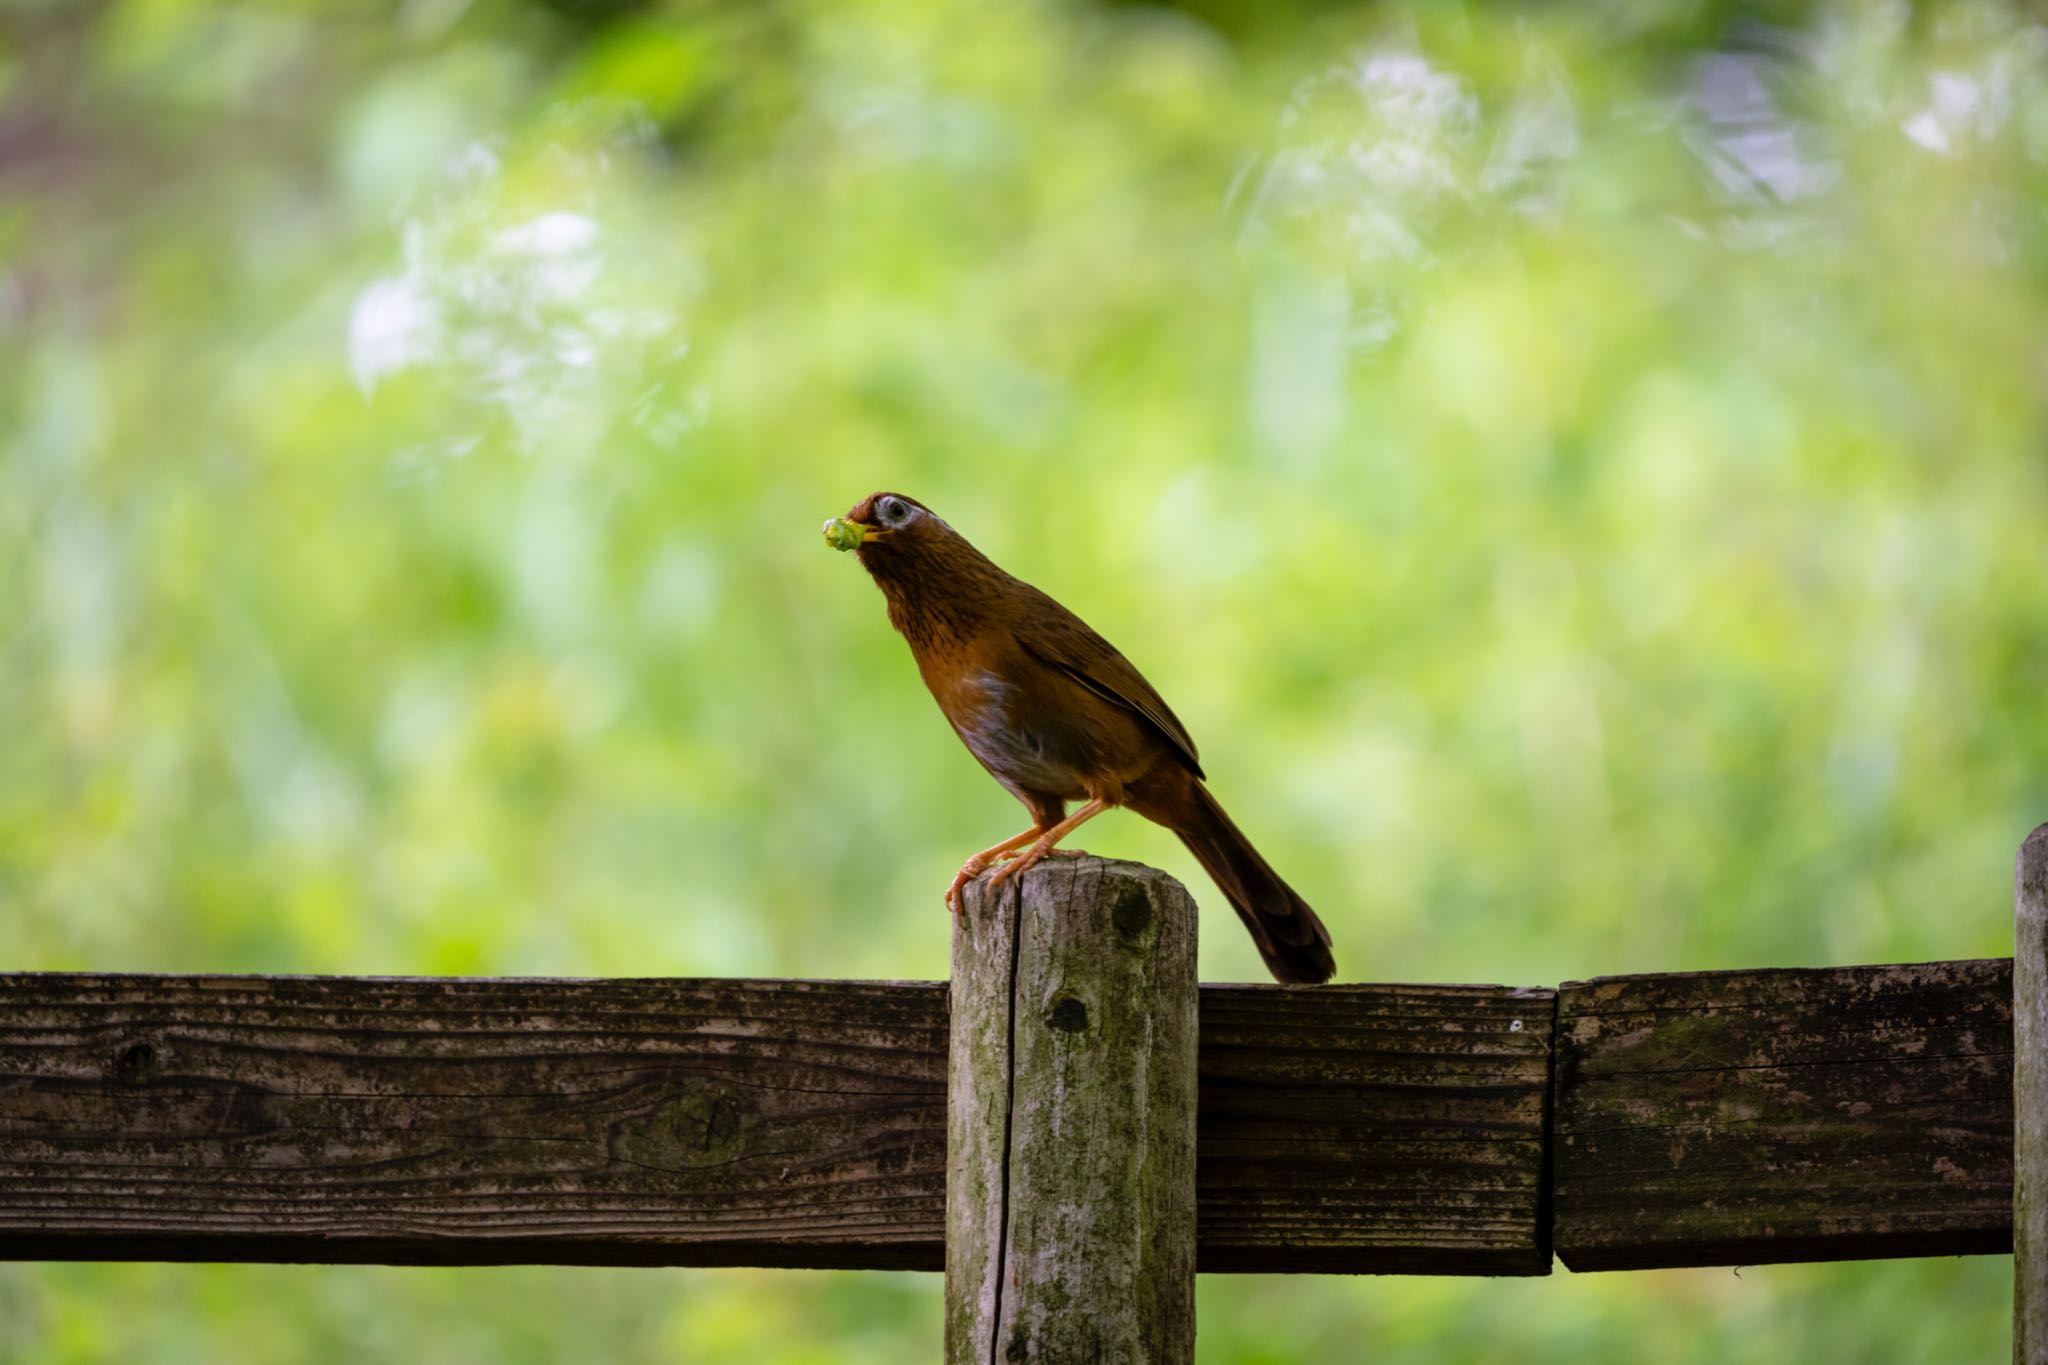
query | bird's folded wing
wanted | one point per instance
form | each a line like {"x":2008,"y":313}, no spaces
{"x":1064,"y":641}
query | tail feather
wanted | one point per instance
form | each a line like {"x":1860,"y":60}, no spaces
{"x":1289,"y":936}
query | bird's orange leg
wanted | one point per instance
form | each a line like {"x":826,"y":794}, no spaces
{"x":1046,"y":841}
{"x":979,"y":863}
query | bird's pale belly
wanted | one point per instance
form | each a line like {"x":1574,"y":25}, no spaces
{"x":1024,"y":753}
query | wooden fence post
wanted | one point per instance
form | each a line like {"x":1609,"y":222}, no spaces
{"x":2030,"y":1103}
{"x":1070,"y":1136}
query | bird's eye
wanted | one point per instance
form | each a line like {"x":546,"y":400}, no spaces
{"x":895,"y":511}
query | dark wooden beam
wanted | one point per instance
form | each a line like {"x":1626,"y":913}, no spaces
{"x":1708,"y":1119}
{"x":630,"y":1122}
{"x":714,"y":1122}
{"x":1380,"y":1129}
{"x":1737,"y":1118}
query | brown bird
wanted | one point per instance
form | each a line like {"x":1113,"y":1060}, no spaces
{"x":1056,"y":715}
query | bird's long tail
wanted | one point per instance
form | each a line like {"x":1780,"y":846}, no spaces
{"x":1290,"y":937}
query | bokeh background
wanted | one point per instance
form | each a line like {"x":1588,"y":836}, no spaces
{"x":1579,"y":471}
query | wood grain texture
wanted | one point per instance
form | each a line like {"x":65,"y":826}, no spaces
{"x":2030,"y":1102}
{"x":606,"y":1122}
{"x":1731,"y":1118}
{"x":1374,"y":1129}
{"x":1071,"y":1183}
{"x":694,"y":1122}
{"x":1724,"y":1118}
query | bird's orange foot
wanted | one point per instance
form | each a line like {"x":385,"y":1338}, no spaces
{"x":981,"y":861}
{"x":1024,"y":861}
{"x":979,"y":864}
{"x":969,"y":870}
{"x":1048,"y":842}
{"x":1010,"y":869}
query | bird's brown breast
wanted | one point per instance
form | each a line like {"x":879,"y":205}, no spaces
{"x":1038,"y":731}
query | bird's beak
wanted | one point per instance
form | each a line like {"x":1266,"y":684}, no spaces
{"x":842,"y":534}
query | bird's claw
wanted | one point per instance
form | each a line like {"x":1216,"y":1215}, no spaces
{"x":1024,"y":861}
{"x":969,"y":870}
{"x":1010,"y":869}
{"x":1007,"y":863}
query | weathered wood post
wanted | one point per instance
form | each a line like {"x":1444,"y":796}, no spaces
{"x":1070,"y":1137}
{"x":2030,"y":1103}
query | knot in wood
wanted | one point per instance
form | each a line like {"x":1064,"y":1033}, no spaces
{"x":696,"y":1123}
{"x":136,"y":1063}
{"x":1132,"y":913}
{"x":1068,"y":1015}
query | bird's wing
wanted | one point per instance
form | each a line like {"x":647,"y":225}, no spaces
{"x":1063,"y":640}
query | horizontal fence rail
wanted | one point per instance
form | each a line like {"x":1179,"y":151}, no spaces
{"x":1700,"y":1119}
{"x":1738,"y":1118}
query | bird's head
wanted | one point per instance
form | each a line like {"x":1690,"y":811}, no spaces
{"x":886,"y":527}
{"x":922,"y":565}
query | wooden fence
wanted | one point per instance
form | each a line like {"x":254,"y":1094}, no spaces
{"x":1626,"y":1122}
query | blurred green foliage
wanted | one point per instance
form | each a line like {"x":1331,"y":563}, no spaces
{"x":1578,"y":471}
